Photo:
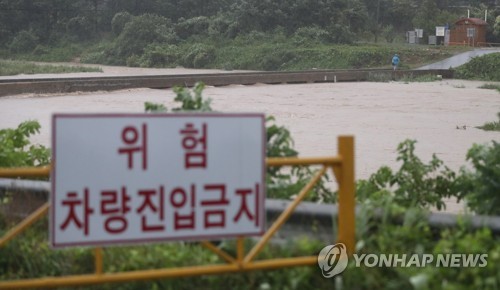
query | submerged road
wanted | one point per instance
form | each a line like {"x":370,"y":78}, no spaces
{"x":88,"y":84}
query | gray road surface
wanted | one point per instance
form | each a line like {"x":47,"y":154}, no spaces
{"x":460,"y":59}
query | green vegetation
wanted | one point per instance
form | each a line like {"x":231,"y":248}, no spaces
{"x":420,"y":185}
{"x":253,"y":51}
{"x":16,"y":263}
{"x":480,"y":187}
{"x":495,"y":125}
{"x":402,"y":229}
{"x":57,"y":51}
{"x":30,"y":256}
{"x":415,"y":184}
{"x":420,"y":78}
{"x":491,"y":87}
{"x":246,"y":34}
{"x":483,"y":67}
{"x":491,"y":126}
{"x":8,"y":67}
{"x":413,"y":235}
{"x":16,"y":150}
{"x":260,"y":51}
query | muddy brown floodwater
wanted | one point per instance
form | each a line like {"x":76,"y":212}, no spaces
{"x":441,"y":115}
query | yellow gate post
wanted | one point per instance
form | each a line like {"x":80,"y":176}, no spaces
{"x":346,"y":203}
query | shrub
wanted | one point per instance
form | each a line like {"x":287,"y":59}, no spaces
{"x":276,"y":59}
{"x":199,"y":56}
{"x":312,"y":33}
{"x":341,"y":34}
{"x":133,"y":61}
{"x":41,"y":50}
{"x":16,"y":150}
{"x":496,"y":26}
{"x":415,"y":184}
{"x":465,"y":241}
{"x":481,"y":187}
{"x":25,"y":41}
{"x":490,"y":87}
{"x":220,"y":27}
{"x":119,"y":21}
{"x":160,"y":56}
{"x":142,"y":31}
{"x":359,"y":58}
{"x":5,"y":35}
{"x":253,"y":37}
{"x":491,"y":126}
{"x":192,"y":26}
{"x":93,"y":57}
{"x":79,"y":28}
{"x":98,"y":53}
{"x":233,"y":30}
{"x":389,"y":33}
{"x":482,"y":67}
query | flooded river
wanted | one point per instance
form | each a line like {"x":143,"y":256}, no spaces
{"x":441,"y":115}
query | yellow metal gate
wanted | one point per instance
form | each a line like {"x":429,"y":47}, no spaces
{"x":342,"y":166}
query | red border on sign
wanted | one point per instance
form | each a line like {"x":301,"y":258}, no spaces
{"x":260,"y":202}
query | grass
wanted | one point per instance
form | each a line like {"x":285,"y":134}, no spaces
{"x":495,"y":125}
{"x":491,"y":126}
{"x":268,"y":52}
{"x":491,"y":87}
{"x":420,"y":79}
{"x":253,"y":51}
{"x":31,"y":257}
{"x":483,"y":67}
{"x":289,"y":55}
{"x":13,"y":67}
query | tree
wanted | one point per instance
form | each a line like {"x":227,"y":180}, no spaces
{"x":496,"y":27}
{"x":389,"y":33}
{"x":481,"y":186}
{"x":16,"y":149}
{"x":426,"y":16}
{"x":401,"y":14}
{"x":25,"y":41}
{"x":119,"y":21}
{"x":142,"y":31}
{"x":356,"y":16}
{"x":80,"y":27}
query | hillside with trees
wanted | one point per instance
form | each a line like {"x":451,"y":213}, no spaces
{"x":221,"y":33}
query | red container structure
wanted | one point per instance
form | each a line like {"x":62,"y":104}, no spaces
{"x":468,"y":31}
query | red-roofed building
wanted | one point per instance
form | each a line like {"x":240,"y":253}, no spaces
{"x":468,"y":31}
